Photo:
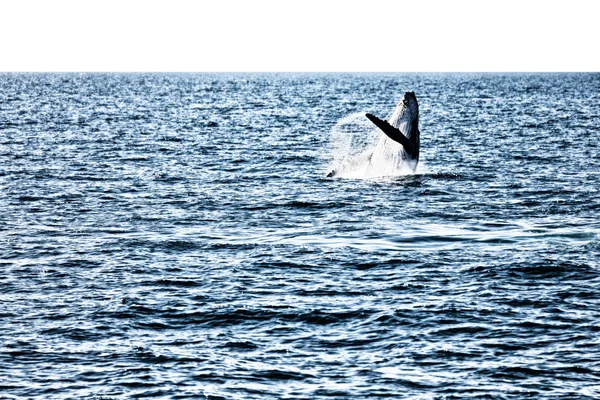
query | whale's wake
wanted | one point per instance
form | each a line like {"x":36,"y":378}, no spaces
{"x":361,"y":151}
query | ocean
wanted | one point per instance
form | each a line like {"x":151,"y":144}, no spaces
{"x":175,"y":236}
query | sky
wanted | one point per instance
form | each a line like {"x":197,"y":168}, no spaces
{"x":299,"y":36}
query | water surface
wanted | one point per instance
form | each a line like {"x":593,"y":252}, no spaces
{"x":175,"y":236}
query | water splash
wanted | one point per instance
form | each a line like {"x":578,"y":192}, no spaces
{"x":361,"y":151}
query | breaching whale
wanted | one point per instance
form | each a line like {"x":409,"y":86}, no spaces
{"x":402,"y":127}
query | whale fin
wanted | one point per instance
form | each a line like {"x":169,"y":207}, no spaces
{"x":393,"y":133}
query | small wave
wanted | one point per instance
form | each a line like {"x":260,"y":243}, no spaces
{"x":239,"y":345}
{"x":177,"y":283}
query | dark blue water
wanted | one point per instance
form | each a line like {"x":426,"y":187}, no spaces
{"x":175,"y":236}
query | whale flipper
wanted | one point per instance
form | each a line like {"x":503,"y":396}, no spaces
{"x":393,"y":133}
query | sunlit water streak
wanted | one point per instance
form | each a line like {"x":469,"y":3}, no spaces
{"x":175,"y":236}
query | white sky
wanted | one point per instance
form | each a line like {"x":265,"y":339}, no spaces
{"x":299,"y":35}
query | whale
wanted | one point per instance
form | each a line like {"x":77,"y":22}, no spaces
{"x":401,"y":127}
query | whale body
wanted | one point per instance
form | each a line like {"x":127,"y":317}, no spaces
{"x":403,"y":127}
{"x":387,"y":157}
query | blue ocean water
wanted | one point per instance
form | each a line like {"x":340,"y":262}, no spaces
{"x":176,"y":236}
